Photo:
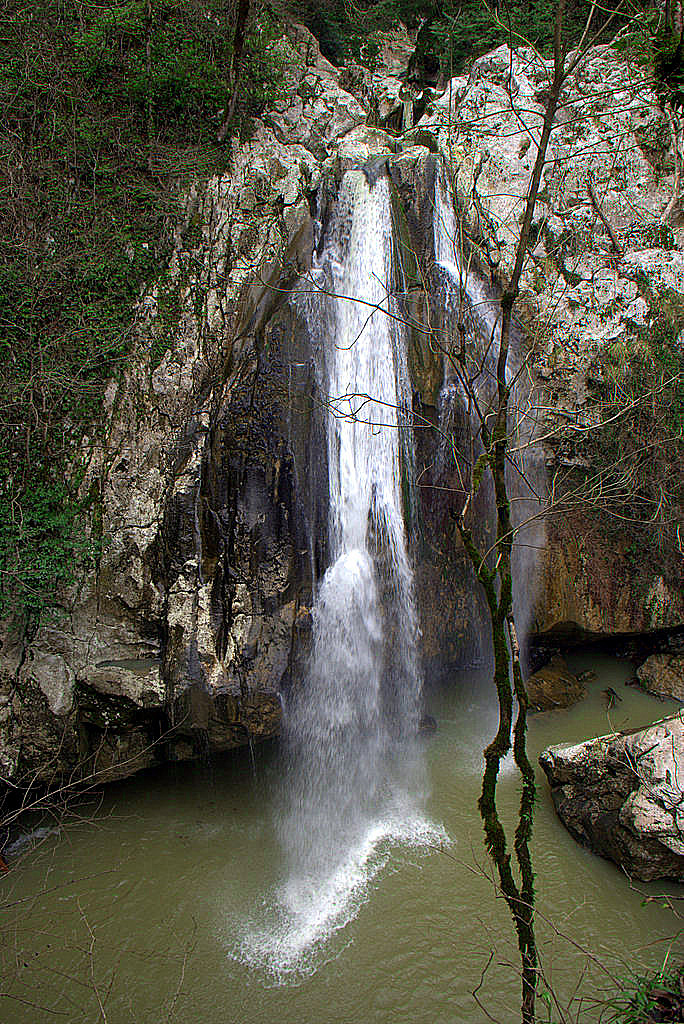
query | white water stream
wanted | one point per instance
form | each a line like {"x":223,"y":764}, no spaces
{"x":469,"y":302}
{"x":354,"y":784}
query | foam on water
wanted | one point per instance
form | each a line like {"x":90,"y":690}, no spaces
{"x":290,"y":939}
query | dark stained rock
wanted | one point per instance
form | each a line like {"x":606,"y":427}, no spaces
{"x":554,"y":686}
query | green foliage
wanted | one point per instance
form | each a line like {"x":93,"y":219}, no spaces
{"x":658,"y":47}
{"x":39,"y":548}
{"x":640,"y":448}
{"x":650,"y":994}
{"x":466,"y":29}
{"x":107,"y":110}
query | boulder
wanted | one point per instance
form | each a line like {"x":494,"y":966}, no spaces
{"x":663,"y":675}
{"x":621,"y":795}
{"x":362,"y":144}
{"x":382,"y":89}
{"x":554,"y":686}
{"x":314,"y":109}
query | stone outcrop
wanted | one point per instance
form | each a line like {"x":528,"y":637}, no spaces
{"x":621,"y":795}
{"x":382,"y":88}
{"x":663,"y":676}
{"x":180,"y":638}
{"x":554,"y":686}
{"x":582,"y":305}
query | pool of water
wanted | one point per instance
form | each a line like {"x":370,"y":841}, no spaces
{"x":161,"y":904}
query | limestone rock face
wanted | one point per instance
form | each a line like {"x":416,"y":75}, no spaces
{"x":361,"y":144}
{"x":554,"y":686}
{"x":582,"y":304}
{"x":493,"y":116}
{"x":663,"y":675}
{"x":316,"y":110}
{"x":621,"y":795}
{"x":382,"y":89}
{"x":197,"y":612}
{"x":183,"y":635}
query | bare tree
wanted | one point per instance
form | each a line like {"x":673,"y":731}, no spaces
{"x":491,"y":559}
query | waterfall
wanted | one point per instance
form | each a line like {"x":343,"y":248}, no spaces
{"x":343,"y":729}
{"x":467,"y":300}
{"x":354,"y":783}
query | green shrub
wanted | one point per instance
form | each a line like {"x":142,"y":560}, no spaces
{"x":39,"y":548}
{"x":99,"y":143}
{"x":651,"y":997}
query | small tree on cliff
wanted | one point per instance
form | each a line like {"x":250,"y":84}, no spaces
{"x":491,"y":559}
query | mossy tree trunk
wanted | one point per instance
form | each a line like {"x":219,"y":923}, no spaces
{"x":494,"y":573}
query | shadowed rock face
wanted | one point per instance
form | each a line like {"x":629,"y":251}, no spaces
{"x":621,"y":795}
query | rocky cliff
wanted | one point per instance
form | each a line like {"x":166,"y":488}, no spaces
{"x":603,"y":274}
{"x":211,"y":505}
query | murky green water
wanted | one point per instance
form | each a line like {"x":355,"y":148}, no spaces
{"x":153,"y":908}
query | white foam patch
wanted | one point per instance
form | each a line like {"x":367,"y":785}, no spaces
{"x":305,"y":913}
{"x":29,"y":840}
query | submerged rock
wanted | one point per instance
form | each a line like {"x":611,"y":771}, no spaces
{"x":554,"y":686}
{"x":427,"y":725}
{"x":621,"y":795}
{"x":663,"y":675}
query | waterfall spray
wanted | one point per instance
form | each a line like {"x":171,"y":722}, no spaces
{"x":354,"y":779}
{"x":469,"y":302}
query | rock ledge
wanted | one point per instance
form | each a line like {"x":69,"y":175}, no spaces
{"x":622,"y":795}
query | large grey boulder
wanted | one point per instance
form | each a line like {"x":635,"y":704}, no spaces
{"x":314,"y":110}
{"x":382,"y":88}
{"x":622,"y":795}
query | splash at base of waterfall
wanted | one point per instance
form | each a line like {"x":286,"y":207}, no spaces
{"x":290,"y":937}
{"x":354,"y":777}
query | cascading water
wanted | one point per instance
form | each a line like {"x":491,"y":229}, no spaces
{"x":354,"y":782}
{"x":469,"y":303}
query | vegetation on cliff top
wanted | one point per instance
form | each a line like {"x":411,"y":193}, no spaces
{"x":449,"y":33}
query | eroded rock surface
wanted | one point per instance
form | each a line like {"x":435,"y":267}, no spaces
{"x":554,"y":686}
{"x":583,"y":305}
{"x":622,"y":795}
{"x":663,"y":675}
